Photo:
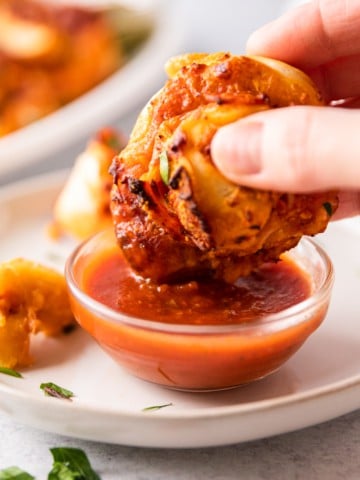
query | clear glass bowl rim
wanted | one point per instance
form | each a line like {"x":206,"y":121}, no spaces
{"x":286,"y":318}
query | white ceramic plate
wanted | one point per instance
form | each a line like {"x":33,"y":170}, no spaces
{"x":320,"y":382}
{"x":128,"y":88}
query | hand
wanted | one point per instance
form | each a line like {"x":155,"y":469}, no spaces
{"x":304,"y":149}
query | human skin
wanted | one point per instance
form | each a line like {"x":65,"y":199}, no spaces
{"x":304,"y":149}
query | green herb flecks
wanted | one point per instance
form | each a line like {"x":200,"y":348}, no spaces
{"x":164,"y":167}
{"x":71,"y":464}
{"x":131,"y":41}
{"x":156,"y":407}
{"x":11,"y":372}
{"x":53,"y":390}
{"x":113,"y":142}
{"x":328,"y":208}
{"x":15,"y":473}
{"x":132,"y":27}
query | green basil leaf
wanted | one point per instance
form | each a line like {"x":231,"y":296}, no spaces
{"x":71,"y":464}
{"x":60,"y":471}
{"x":15,"y":473}
{"x":11,"y":372}
{"x":54,"y":390}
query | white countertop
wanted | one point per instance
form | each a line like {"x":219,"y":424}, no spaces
{"x":325,"y":452}
{"x":328,"y":451}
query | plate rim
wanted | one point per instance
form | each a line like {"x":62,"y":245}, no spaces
{"x":201,"y":412}
{"x":323,"y":395}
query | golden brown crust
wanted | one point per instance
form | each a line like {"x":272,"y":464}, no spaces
{"x":175,"y":214}
{"x":33,"y":298}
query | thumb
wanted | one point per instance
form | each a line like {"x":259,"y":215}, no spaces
{"x":293,"y":149}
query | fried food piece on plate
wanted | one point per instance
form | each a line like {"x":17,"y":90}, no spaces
{"x":33,"y":298}
{"x":83,"y":206}
{"x":176,"y":216}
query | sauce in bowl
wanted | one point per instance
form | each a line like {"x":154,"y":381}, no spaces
{"x":272,"y":288}
{"x":199,"y":335}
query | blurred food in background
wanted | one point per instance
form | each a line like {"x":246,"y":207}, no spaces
{"x":83,"y":206}
{"x":51,"y":54}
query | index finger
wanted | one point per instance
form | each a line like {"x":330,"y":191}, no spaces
{"x":311,"y":35}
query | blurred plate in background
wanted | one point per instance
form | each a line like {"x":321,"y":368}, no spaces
{"x":111,"y":100}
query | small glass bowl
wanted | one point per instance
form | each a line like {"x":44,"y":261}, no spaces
{"x":200,"y":357}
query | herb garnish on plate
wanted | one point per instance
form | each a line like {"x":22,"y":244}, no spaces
{"x":156,"y":407}
{"x":53,"y":390}
{"x":11,"y":372}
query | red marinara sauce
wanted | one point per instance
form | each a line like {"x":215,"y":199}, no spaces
{"x":199,"y":335}
{"x":270,"y":289}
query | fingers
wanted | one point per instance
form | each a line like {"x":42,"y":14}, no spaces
{"x":294,"y":149}
{"x":349,"y":204}
{"x":311,"y":35}
{"x":338,"y":79}
{"x":304,"y":149}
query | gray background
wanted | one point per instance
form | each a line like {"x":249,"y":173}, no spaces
{"x":328,"y":451}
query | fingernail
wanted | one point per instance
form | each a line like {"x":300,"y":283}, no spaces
{"x":236,"y":148}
